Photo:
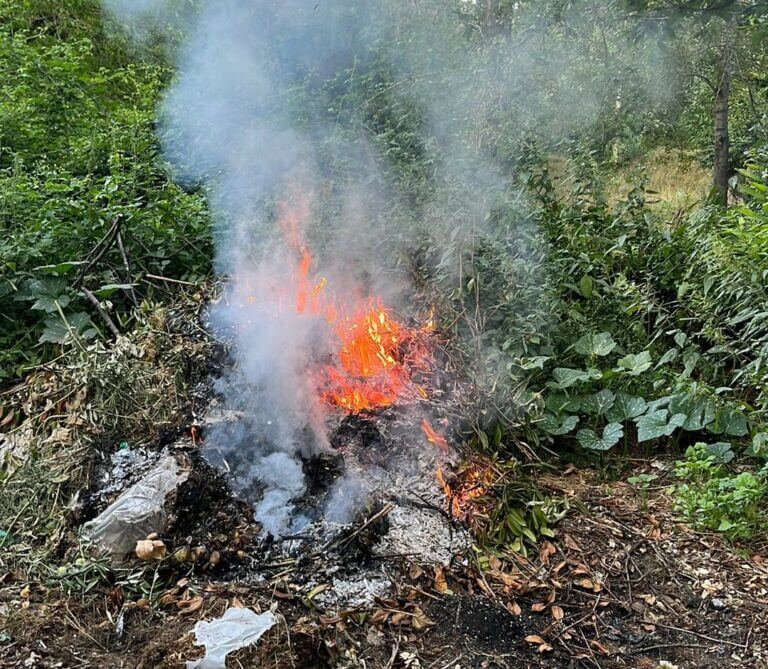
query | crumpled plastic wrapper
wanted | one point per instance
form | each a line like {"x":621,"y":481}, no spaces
{"x":236,"y":629}
{"x":139,"y":511}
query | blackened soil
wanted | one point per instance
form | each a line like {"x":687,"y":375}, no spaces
{"x":480,"y":623}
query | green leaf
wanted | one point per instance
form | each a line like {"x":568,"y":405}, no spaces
{"x":669,"y":356}
{"x":611,"y":435}
{"x":56,"y":331}
{"x":635,"y":364}
{"x":655,"y":424}
{"x":536,"y":362}
{"x":62,"y":268}
{"x":559,"y":402}
{"x":599,"y":403}
{"x":721,"y":451}
{"x":46,"y":293}
{"x":110,"y":288}
{"x":626,"y":407}
{"x":586,"y":286}
{"x":566,"y":377}
{"x":595,"y":344}
{"x":699,"y":412}
{"x":558,"y":426}
{"x":731,"y":422}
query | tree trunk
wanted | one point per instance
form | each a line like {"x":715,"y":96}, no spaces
{"x":721,"y":171}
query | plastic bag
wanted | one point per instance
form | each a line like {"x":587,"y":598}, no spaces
{"x":139,"y":511}
{"x":237,"y":628}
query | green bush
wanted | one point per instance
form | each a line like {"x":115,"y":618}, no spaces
{"x":77,"y":149}
{"x":712,"y":498}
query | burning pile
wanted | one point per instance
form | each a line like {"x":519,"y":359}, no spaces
{"x":375,"y":356}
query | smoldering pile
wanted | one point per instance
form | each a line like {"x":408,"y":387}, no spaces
{"x":351,"y":512}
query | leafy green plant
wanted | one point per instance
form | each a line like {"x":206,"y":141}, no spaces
{"x":711,"y":497}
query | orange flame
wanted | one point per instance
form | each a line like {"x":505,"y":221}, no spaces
{"x":376,"y":354}
{"x":433,"y":437}
{"x":465,"y":488}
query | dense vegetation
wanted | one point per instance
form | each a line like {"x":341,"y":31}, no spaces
{"x":77,"y":150}
{"x":609,"y":319}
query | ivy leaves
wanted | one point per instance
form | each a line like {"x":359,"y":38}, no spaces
{"x":607,"y":414}
{"x":590,"y":440}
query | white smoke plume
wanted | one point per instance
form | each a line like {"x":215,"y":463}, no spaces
{"x":233,"y":121}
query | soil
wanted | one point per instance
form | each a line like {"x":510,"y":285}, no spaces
{"x":623,"y":584}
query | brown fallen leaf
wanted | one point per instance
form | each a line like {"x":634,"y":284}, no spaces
{"x":514,"y":608}
{"x":557,"y":613}
{"x":415,"y":572}
{"x":570,"y":543}
{"x":441,"y":585}
{"x":534,"y":638}
{"x":538,"y":607}
{"x":188,"y":606}
{"x":420,"y":619}
{"x":602,"y":649}
{"x":547,"y":549}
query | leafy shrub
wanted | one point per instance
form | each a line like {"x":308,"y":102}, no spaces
{"x":712,"y":498}
{"x":77,"y":149}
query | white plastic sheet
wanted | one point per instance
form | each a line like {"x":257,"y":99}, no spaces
{"x":139,"y":511}
{"x":237,"y":628}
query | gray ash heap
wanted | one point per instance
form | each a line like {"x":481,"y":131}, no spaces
{"x":350,"y":513}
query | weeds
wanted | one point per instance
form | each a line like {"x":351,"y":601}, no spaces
{"x":712,"y":498}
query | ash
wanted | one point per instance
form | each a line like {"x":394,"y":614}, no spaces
{"x":124,"y":467}
{"x":370,"y":505}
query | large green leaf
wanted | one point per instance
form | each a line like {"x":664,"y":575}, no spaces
{"x":699,"y":411}
{"x":731,"y":422}
{"x":635,"y":364}
{"x":611,"y":434}
{"x":721,"y":451}
{"x":46,"y":293}
{"x":558,"y":425}
{"x":565,"y":377}
{"x":599,"y":403}
{"x":557,"y":403}
{"x":595,"y":344}
{"x":56,"y":331}
{"x":626,"y":407}
{"x":658,"y":424}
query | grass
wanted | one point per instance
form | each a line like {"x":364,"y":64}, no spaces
{"x":676,"y":180}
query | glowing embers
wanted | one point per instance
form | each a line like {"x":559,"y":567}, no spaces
{"x":433,"y":437}
{"x":466,"y":488}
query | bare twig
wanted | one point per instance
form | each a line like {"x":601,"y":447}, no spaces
{"x":155,"y":277}
{"x":98,"y":251}
{"x":127,"y":266}
{"x":104,"y":315}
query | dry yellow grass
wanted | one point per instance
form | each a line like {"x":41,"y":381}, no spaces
{"x":675,"y":178}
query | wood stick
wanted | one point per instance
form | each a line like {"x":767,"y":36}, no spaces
{"x":165,"y":278}
{"x":105,"y":244}
{"x":126,"y":264}
{"x":104,"y":315}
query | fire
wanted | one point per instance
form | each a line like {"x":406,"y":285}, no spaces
{"x":465,"y":489}
{"x":433,"y":437}
{"x":376,"y":356}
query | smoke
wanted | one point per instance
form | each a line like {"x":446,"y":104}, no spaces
{"x":299,"y":101}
